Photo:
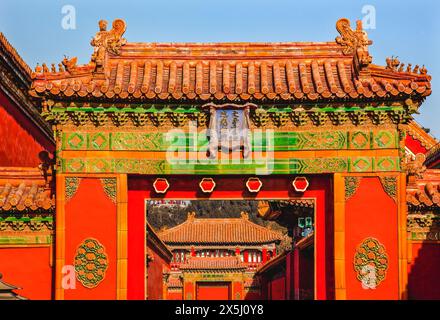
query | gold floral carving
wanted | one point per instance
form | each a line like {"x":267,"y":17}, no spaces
{"x":109,"y":186}
{"x":370,"y":263}
{"x":72,"y":185}
{"x":389,"y":185}
{"x":91,"y":263}
{"x":351,"y":185}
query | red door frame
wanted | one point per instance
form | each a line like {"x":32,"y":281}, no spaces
{"x":231,"y":187}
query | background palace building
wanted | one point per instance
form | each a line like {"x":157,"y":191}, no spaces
{"x":341,"y":165}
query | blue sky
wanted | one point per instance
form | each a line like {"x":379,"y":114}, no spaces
{"x":407,"y":29}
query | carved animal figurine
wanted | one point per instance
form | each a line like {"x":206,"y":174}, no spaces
{"x":99,"y":38}
{"x":392,"y":63}
{"x":416,"y":69}
{"x":414,"y":167}
{"x":45,"y":68}
{"x":70,"y":65}
{"x":351,"y":39}
{"x":53,"y":69}
{"x":408,"y":67}
{"x":423,"y":70}
{"x":402,"y":65}
{"x":60,"y":67}
{"x":107,"y":41}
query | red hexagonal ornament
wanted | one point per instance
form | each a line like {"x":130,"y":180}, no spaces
{"x":161,"y":185}
{"x":254,"y":185}
{"x":207,"y":185}
{"x":300,"y":184}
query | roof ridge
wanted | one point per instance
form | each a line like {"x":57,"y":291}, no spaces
{"x":284,"y":71}
{"x":232,"y":42}
{"x":416,"y":131}
{"x":266,"y":229}
{"x":165,"y":231}
{"x":219,"y":230}
{"x":14,"y":54}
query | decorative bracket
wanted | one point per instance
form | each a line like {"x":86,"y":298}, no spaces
{"x":389,"y":185}
{"x":109,"y":186}
{"x":71,"y":187}
{"x":351,"y":185}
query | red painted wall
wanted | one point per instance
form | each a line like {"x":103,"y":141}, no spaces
{"x":423,"y":276}
{"x":155,"y":269}
{"x":213,"y":291}
{"x":136,"y":249}
{"x":237,"y":291}
{"x":22,"y":139}
{"x":253,"y":295}
{"x":28,"y":268}
{"x":91,"y":214}
{"x":189,"y":291}
{"x":370,"y":212}
{"x":414,"y":145}
{"x":277,"y":288}
{"x":175,"y":295}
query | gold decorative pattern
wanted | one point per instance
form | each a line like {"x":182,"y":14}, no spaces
{"x":72,"y":185}
{"x":423,"y":226}
{"x":109,"y":186}
{"x":351,"y":185}
{"x":91,"y":263}
{"x":389,"y":185}
{"x":370,"y":263}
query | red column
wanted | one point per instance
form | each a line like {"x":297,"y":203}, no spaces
{"x":136,"y":249}
{"x":296,"y":273}
{"x":193,"y":252}
{"x":237,"y":251}
{"x":274,"y":252}
{"x":245,"y":255}
{"x":289,"y":279}
{"x":264,"y":253}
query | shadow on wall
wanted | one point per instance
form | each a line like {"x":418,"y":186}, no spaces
{"x":255,"y":290}
{"x":424,"y":251}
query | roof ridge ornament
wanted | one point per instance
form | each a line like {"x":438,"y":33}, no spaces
{"x":191,"y":216}
{"x":70,"y":65}
{"x":107,"y":42}
{"x":352,"y":39}
{"x":414,"y":168}
{"x":394,"y":64}
{"x":354,"y":42}
{"x":244,"y":215}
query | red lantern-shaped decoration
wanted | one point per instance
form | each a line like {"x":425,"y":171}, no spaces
{"x":300,"y":184}
{"x":254,"y":184}
{"x":207,"y":185}
{"x":161,"y":185}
